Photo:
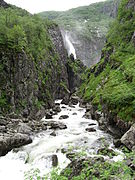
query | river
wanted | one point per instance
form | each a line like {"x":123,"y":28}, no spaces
{"x":38,"y":155}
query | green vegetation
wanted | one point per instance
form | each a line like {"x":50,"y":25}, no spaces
{"x":25,"y":41}
{"x":92,"y":168}
{"x":85,"y":21}
{"x":112,"y":80}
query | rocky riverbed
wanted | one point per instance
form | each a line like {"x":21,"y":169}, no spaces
{"x":65,"y":134}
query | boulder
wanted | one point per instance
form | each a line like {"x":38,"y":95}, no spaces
{"x":71,"y":156}
{"x":92,"y":124}
{"x":65,"y":101}
{"x":74,"y":100}
{"x":87,"y":115}
{"x":128,"y":139}
{"x":74,"y":114}
{"x":53,"y":133}
{"x":55,"y":125}
{"x":90,"y":129}
{"x":56,"y":108}
{"x":3,"y":129}
{"x":8,"y":142}
{"x":49,"y":115}
{"x":106,"y":152}
{"x":24,"y":129}
{"x":54,"y":160}
{"x":64,"y":117}
{"x":117,"y":143}
{"x":3,"y":121}
{"x":20,"y":140}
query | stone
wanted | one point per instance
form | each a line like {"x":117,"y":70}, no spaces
{"x":87,"y":115}
{"x":3,"y":121}
{"x":65,"y":101}
{"x":90,"y":129}
{"x":64,"y":117}
{"x":70,"y":156}
{"x":117,"y":143}
{"x":48,"y":115}
{"x":8,"y":142}
{"x":24,"y":129}
{"x":128,"y":139}
{"x":56,"y":108}
{"x":3,"y":129}
{"x":92,"y":124}
{"x":25,"y":113}
{"x":55,"y":125}
{"x":53,"y":133}
{"x":74,"y":114}
{"x":106,"y":152}
{"x":74,"y":100}
{"x":54,"y":160}
{"x":14,"y":116}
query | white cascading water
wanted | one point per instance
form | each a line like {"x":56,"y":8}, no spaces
{"x":38,"y":155}
{"x":69,"y":46}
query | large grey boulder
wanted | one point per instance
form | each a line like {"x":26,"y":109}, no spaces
{"x":8,"y":142}
{"x":128,"y":139}
{"x":24,"y":129}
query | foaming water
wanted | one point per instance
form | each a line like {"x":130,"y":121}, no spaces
{"x":38,"y":155}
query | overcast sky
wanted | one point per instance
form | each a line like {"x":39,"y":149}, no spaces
{"x":35,"y":6}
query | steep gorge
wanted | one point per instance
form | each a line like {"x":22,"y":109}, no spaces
{"x":86,"y":27}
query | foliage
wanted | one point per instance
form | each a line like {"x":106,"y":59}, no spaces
{"x":22,"y":33}
{"x":85,"y":21}
{"x":112,"y":80}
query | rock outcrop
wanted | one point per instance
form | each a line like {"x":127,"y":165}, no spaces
{"x":3,"y":4}
{"x":128,"y":139}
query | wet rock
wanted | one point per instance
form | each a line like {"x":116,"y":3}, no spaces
{"x":76,"y":166}
{"x":65,"y":101}
{"x":55,"y":125}
{"x":64,"y":117}
{"x":56,"y":108}
{"x":87,"y":115}
{"x":14,"y":116}
{"x":3,"y":121}
{"x":106,"y":152}
{"x":25,"y":113}
{"x":74,"y":100}
{"x":117,"y":143}
{"x":64,"y":150}
{"x":128,"y":139}
{"x":54,"y":160}
{"x":8,"y":142}
{"x":24,"y":129}
{"x":53,"y":133}
{"x":3,"y":129}
{"x":70,"y":156}
{"x":20,"y":140}
{"x":63,"y":107}
{"x":92,"y":124}
{"x":70,"y":105}
{"x":90,"y":129}
{"x":49,"y":115}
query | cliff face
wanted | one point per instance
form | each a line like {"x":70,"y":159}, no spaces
{"x":110,"y":84}
{"x":33,"y":64}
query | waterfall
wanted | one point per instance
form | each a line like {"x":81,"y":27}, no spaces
{"x":69,"y":46}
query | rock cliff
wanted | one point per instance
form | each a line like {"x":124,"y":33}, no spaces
{"x":109,"y":85}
